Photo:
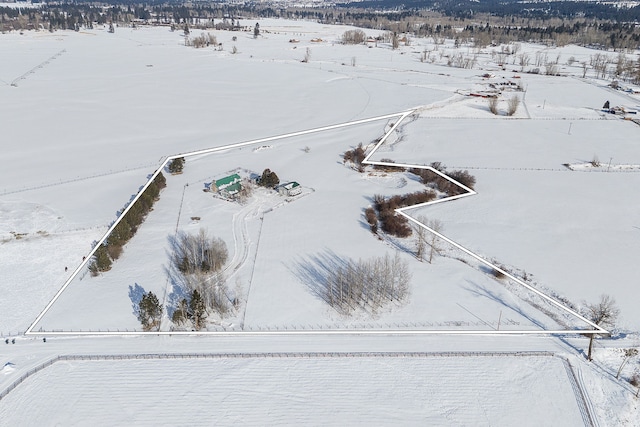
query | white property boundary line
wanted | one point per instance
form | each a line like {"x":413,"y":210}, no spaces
{"x":402,"y":116}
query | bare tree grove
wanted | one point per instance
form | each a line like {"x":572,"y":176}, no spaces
{"x":368,"y":285}
{"x":198,"y":261}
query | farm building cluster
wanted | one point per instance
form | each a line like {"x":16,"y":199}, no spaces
{"x":234,"y":186}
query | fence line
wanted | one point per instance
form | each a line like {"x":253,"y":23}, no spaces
{"x":26,"y":375}
{"x":390,"y":327}
{"x":82,"y":178}
{"x":15,"y":81}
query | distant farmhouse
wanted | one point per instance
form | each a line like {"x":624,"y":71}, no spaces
{"x":290,"y":189}
{"x":228,"y":187}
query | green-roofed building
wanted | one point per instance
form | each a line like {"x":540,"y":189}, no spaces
{"x":229,"y":186}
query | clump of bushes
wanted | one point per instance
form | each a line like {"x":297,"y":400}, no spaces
{"x":353,"y":37}
{"x":391,"y":222}
{"x":269,"y":179}
{"x":442,"y":184}
{"x":355,"y":156}
{"x":203,"y":40}
{"x":372,"y":219}
{"x":386,"y":168}
{"x":127,"y":227}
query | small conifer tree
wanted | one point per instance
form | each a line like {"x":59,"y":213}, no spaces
{"x":150,"y":311}
{"x":101,"y":261}
{"x":197,"y":309}
{"x":176,"y":165}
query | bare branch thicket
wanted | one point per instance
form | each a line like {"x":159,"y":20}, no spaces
{"x":420,"y":234}
{"x":524,"y":59}
{"x":194,"y":253}
{"x":203,"y":40}
{"x":354,"y":37}
{"x":551,"y":69}
{"x":627,"y":354}
{"x":604,"y":313}
{"x":515,"y":48}
{"x":599,"y":62}
{"x":512,"y":105}
{"x":395,"y":41}
{"x":434,"y":241}
{"x":425,"y":237}
{"x":368,"y":285}
{"x":493,"y":105}
{"x":307,"y":56}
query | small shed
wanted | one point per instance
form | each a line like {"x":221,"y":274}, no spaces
{"x":228,"y":187}
{"x":290,"y":189}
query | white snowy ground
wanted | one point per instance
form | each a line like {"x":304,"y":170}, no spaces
{"x":311,"y":391}
{"x":100,"y":111}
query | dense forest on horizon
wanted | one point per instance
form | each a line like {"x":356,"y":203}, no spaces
{"x":483,"y":23}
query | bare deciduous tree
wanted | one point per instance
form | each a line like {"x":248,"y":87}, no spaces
{"x":307,"y":56}
{"x":420,"y":239}
{"x":493,"y":105}
{"x":628,"y":354}
{"x":434,"y":241}
{"x":524,"y":59}
{"x":512,"y":105}
{"x":395,"y":41}
{"x":604,"y":314}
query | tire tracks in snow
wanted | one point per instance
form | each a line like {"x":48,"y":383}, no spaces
{"x":582,"y":399}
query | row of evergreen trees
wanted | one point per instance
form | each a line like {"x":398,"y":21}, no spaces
{"x":127,"y":227}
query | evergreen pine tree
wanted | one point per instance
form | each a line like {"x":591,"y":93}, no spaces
{"x":176,"y":165}
{"x":181,"y":314}
{"x":197,"y":309}
{"x":101,"y":261}
{"x":149,"y":311}
{"x":269,"y":179}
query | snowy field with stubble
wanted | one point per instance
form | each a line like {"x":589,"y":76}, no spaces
{"x":87,"y":117}
{"x":310,"y":390}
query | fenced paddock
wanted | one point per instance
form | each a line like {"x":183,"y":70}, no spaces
{"x":297,"y":388}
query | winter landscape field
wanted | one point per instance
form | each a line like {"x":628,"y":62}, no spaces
{"x":486,"y":333}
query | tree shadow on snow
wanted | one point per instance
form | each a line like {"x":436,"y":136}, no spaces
{"x":314,"y":271}
{"x":482,"y":291}
{"x":136,"y":292}
{"x":179,"y":289}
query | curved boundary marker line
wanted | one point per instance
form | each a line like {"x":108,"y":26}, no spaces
{"x":469,"y":192}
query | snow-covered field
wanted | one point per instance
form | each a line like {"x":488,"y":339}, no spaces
{"x":311,"y":391}
{"x":88,"y":116}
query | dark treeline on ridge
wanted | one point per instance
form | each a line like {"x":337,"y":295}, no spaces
{"x":492,"y":21}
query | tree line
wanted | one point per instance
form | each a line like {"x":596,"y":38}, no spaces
{"x":583,"y":23}
{"x":127,"y":227}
